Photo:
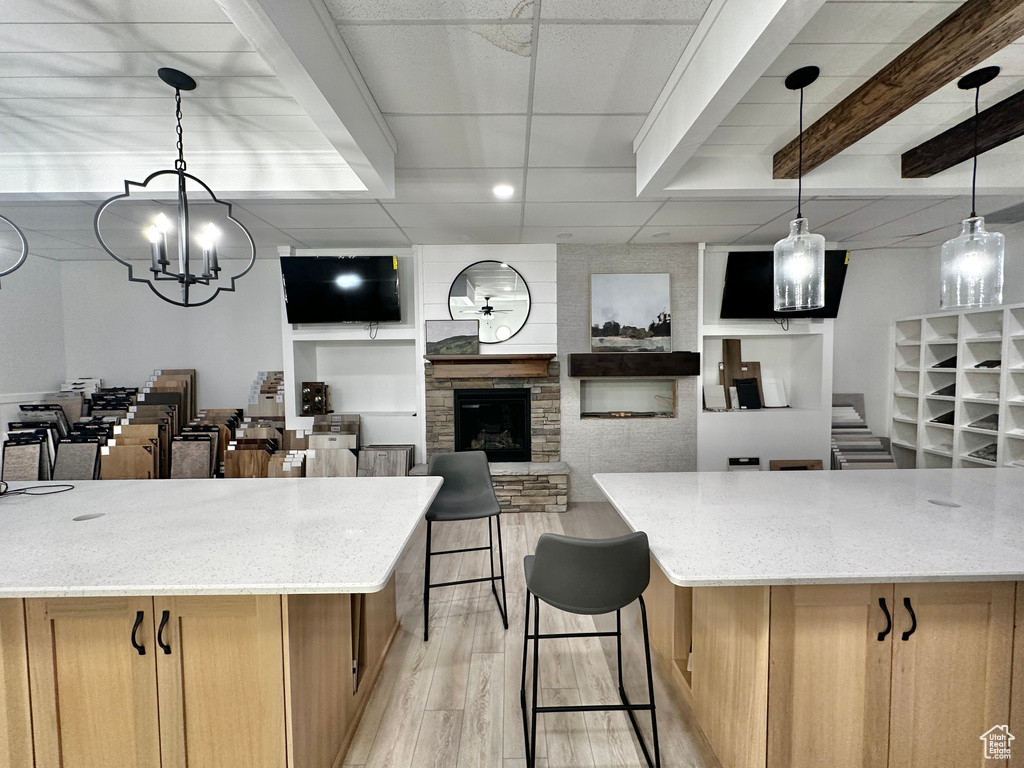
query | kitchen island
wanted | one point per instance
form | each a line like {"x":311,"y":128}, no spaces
{"x":197,"y":622}
{"x":862,"y":619}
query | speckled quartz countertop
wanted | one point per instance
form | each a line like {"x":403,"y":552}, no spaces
{"x":746,"y":528}
{"x":209,"y":537}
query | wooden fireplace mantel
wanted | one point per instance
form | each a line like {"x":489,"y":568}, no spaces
{"x":490,"y":366}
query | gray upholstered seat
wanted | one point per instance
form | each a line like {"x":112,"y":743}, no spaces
{"x":466,"y":494}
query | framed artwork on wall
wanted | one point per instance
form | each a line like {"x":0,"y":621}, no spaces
{"x":630,"y":313}
{"x":453,"y":337}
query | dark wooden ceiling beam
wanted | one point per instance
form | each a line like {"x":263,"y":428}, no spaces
{"x":964,"y":39}
{"x":997,"y":125}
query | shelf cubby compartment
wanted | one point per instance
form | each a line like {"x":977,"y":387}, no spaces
{"x":983,"y":326}
{"x":1013,"y":420}
{"x":906,"y":382}
{"x":971,"y":442}
{"x":936,"y":438}
{"x":938,"y":378}
{"x":931,"y":459}
{"x":904,"y":408}
{"x":906,"y":458}
{"x":904,"y":433}
{"x":970,"y":462}
{"x":1015,"y":354}
{"x":975,"y":352}
{"x":979,"y":387}
{"x":1015,"y":323}
{"x":908,"y":332}
{"x":1015,"y":387}
{"x":932,"y":408}
{"x":1013,"y":450}
{"x":942,"y":328}
{"x":909,"y":358}
{"x":972,"y":413}
{"x":936,"y":352}
{"x":627,"y":398}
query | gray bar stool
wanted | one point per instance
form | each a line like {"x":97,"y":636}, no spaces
{"x":587,"y":576}
{"x":466,"y":494}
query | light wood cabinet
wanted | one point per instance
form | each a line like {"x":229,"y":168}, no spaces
{"x":828,"y":680}
{"x":221,"y":686}
{"x":15,"y":721}
{"x":838,"y":686}
{"x":951,"y":677}
{"x":94,"y":698}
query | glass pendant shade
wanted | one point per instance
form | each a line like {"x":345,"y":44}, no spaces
{"x":799,"y":269}
{"x":972,"y":267}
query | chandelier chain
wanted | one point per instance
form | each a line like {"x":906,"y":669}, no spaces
{"x":179,"y":164}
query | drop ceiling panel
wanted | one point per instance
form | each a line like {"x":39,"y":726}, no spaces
{"x":314,"y":215}
{"x":449,"y":235}
{"x":70,"y":253}
{"x":647,"y":10}
{"x":946,"y":214}
{"x":357,"y":236}
{"x":815,"y":210}
{"x":589,"y":235}
{"x":581,"y":184}
{"x":458,"y":141}
{"x":419,"y":10}
{"x":443,"y":68}
{"x":605,"y":68}
{"x":749,"y":213}
{"x":465,"y":215}
{"x":714,"y":235}
{"x":583,"y":141}
{"x":52,"y":217}
{"x":455,"y":185}
{"x":15,"y":38}
{"x":872,"y":215}
{"x":588,"y":214}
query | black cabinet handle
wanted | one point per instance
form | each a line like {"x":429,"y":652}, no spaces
{"x":888,"y":619}
{"x":139,"y":615}
{"x":913,"y":618}
{"x":160,"y":632}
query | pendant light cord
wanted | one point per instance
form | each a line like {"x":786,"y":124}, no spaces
{"x":974,"y":174}
{"x":800,"y":161}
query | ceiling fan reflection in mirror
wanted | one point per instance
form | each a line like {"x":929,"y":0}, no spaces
{"x":486,"y":310}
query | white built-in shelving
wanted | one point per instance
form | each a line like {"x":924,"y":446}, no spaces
{"x":922,"y":375}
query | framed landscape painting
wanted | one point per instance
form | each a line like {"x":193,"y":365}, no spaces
{"x":630,"y":313}
{"x":453,"y":337}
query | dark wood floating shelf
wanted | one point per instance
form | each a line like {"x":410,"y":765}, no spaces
{"x":490,"y":366}
{"x":635,"y":364}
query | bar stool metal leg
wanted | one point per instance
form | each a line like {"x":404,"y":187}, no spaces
{"x":650,"y":684}
{"x":522,"y":684}
{"x":426,"y":587}
{"x":503,"y":603}
{"x":532,"y":755}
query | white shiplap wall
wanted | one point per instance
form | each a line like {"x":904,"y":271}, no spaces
{"x":441,"y":264}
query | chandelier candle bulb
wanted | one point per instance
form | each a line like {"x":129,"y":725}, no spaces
{"x":158,"y":248}
{"x":208,"y":242}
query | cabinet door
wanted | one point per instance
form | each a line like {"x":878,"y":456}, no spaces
{"x":94,"y":701}
{"x":222,"y":683}
{"x":828,"y":679}
{"x":951,"y":677}
{"x":15,"y":721}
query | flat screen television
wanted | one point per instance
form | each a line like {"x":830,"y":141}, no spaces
{"x":341,"y":289}
{"x":750,"y":290}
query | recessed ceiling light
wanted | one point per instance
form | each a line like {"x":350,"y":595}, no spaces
{"x":504,"y":191}
{"x":464,"y":238}
{"x":661,"y":234}
{"x":564,"y":235}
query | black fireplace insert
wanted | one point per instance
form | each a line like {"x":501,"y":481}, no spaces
{"x":493,"y":420}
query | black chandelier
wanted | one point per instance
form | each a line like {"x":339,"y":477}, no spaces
{"x":20,"y":253}
{"x":162,"y":229}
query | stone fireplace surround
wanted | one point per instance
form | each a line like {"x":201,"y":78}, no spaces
{"x":541,"y":485}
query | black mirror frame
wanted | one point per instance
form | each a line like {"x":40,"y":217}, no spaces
{"x":529,"y":296}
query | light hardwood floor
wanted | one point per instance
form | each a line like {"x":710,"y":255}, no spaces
{"x":453,"y":702}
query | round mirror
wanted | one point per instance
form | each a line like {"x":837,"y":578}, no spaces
{"x":493,"y":293}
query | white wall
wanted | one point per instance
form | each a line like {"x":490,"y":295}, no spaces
{"x":881,"y":286}
{"x":441,"y":264}
{"x":121,"y":331}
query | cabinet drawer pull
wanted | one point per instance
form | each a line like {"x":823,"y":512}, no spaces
{"x":888,"y":619}
{"x":160,"y":632}
{"x":139,"y":615}
{"x":913,"y":618}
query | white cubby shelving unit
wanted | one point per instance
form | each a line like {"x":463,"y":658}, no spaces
{"x":801,"y":357}
{"x":379,"y":378}
{"x":921,"y":391}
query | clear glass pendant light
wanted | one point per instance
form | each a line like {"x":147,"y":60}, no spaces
{"x":800,"y":258}
{"x":972,"y":263}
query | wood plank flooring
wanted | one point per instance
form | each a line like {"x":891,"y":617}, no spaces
{"x":453,"y":702}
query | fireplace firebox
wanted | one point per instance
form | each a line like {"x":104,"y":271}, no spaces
{"x":496,"y":421}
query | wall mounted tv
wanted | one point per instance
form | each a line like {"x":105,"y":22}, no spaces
{"x":341,"y":289}
{"x":750,"y":290}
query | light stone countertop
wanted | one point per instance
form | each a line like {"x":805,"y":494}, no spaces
{"x":833,"y":527}
{"x":210,"y":537}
